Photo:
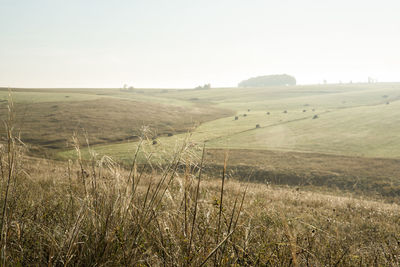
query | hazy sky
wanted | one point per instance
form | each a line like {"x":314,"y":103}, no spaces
{"x":183,"y":43}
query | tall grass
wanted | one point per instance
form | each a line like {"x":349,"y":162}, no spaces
{"x":103,"y":214}
{"x":96,"y":213}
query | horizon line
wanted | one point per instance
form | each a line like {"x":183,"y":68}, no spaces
{"x":192,"y":88}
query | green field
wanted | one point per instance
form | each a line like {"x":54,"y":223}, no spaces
{"x":353,"y":120}
{"x":323,"y":128}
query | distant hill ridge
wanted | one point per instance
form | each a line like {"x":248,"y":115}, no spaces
{"x":269,"y":80}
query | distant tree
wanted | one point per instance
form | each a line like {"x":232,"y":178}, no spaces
{"x":206,"y":86}
{"x":269,"y":80}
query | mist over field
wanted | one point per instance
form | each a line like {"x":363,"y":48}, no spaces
{"x":212,"y":133}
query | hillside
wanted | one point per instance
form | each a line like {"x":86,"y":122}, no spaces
{"x":355,"y":123}
{"x":47,"y":118}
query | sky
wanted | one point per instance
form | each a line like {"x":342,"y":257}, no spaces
{"x":186,"y":43}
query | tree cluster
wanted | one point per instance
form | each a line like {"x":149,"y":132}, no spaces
{"x":269,"y":80}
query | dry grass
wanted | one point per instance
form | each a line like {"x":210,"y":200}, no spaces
{"x":98,"y":214}
{"x":373,"y":176}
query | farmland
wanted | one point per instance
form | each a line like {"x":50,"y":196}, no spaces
{"x":345,"y":129}
{"x":348,"y":120}
{"x":304,"y":131}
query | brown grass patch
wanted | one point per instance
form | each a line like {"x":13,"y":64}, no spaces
{"x":355,"y":174}
{"x":50,"y":124}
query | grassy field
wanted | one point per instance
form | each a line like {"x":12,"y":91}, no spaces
{"x":47,"y":118}
{"x":355,"y":123}
{"x":353,"y":120}
{"x":370,"y":131}
{"x":295,"y":191}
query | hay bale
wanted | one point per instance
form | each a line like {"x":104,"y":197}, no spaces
{"x":315,"y":117}
{"x":257,"y":125}
{"x":236,"y":118}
